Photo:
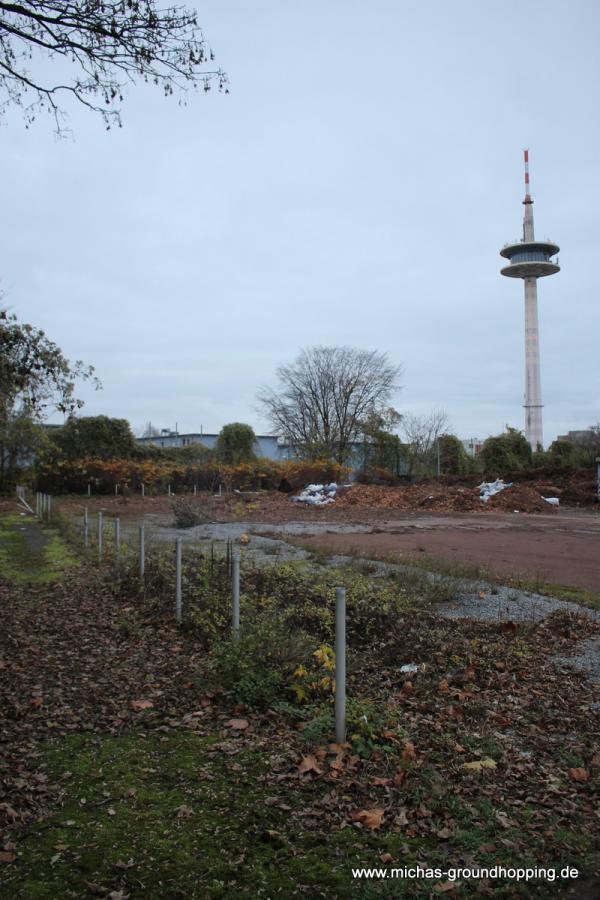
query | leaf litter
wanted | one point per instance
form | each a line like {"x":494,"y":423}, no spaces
{"x":528,"y":784}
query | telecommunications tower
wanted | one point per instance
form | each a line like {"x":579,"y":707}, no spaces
{"x":530,"y":260}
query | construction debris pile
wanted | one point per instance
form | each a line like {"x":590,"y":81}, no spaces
{"x":316,"y":494}
{"x":487,"y":489}
{"x":447,"y":498}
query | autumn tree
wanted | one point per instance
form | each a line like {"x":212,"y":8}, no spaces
{"x":35,"y":377}
{"x":96,"y":48}
{"x":326,"y":396}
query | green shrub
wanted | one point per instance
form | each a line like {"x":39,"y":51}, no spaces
{"x":509,"y":452}
{"x":235,"y":444}
{"x":259,"y":667}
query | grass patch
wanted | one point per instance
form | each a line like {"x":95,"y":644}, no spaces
{"x":30,"y":552}
{"x":172,"y":815}
{"x":156,"y":817}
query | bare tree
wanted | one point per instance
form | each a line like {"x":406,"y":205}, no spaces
{"x":98,"y":46}
{"x":421,"y":434}
{"x":325,"y":398}
{"x":150,"y":430}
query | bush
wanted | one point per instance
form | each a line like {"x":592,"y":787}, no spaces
{"x":57,"y":475}
{"x":187,"y":514}
{"x":258,"y":668}
{"x":507,"y":452}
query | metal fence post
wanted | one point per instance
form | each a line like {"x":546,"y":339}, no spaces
{"x":49,"y":506}
{"x":116,"y":489}
{"x":89,"y":489}
{"x":86,"y":527}
{"x":340,"y":665}
{"x":142,"y":552}
{"x":143,"y":494}
{"x":100,"y":536}
{"x":117,"y":540}
{"x":235,"y":597}
{"x":178,"y":579}
{"x":169,"y":490}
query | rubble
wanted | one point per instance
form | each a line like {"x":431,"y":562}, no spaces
{"x":316,"y":494}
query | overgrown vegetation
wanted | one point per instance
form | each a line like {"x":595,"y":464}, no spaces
{"x":144,"y":759}
{"x":74,"y":476}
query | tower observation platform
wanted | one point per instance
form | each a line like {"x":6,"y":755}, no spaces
{"x":530,"y":259}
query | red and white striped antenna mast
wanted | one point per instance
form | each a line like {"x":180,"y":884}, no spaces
{"x":528,"y":202}
{"x":527,"y":192}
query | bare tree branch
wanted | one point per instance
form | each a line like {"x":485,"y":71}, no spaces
{"x":108,"y":43}
{"x":421,"y":434}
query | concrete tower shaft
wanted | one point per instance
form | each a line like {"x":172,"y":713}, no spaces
{"x":533,"y":380}
{"x":530,"y":260}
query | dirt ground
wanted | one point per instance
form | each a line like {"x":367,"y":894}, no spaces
{"x":562,"y":550}
{"x":553,"y":546}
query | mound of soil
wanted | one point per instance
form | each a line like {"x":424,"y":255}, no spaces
{"x":521,"y":498}
{"x":429,"y":496}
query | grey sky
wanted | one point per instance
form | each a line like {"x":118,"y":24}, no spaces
{"x":354,"y":188}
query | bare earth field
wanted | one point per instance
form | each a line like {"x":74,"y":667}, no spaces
{"x":553,"y":546}
{"x":562,"y":549}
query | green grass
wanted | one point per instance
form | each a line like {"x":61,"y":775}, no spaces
{"x":167,"y":816}
{"x":22,"y":562}
{"x":154,"y":817}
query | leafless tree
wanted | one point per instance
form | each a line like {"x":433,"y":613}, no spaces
{"x":326,"y":396}
{"x":96,"y":47}
{"x":150,"y":430}
{"x":421,"y":434}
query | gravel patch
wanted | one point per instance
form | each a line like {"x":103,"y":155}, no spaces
{"x":586,"y":660}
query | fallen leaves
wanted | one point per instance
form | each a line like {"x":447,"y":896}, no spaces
{"x":309,"y":764}
{"x":409,"y":754}
{"x":141,"y":704}
{"x":479,"y":765}
{"x":237,"y":724}
{"x":184,"y":812}
{"x":579,"y":774}
{"x":370,"y":818}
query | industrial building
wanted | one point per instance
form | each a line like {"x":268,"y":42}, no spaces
{"x":267,"y":446}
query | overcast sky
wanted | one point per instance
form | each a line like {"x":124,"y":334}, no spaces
{"x":354,"y":188}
